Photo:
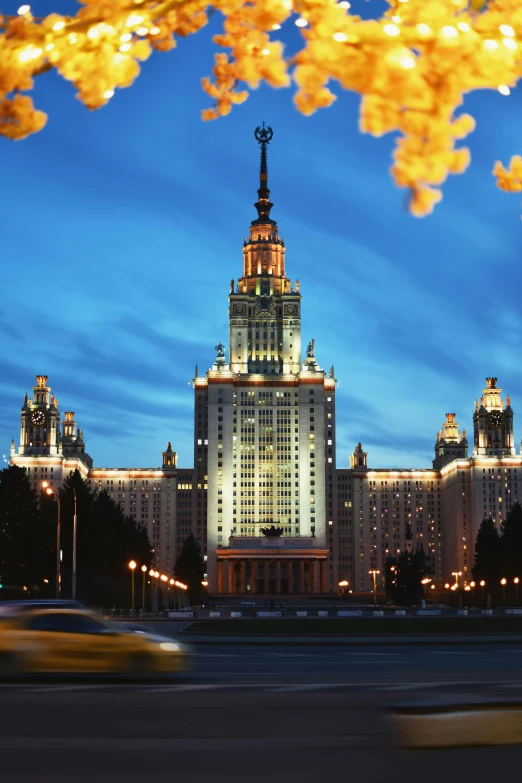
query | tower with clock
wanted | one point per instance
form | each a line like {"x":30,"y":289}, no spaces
{"x":493,"y":423}
{"x":40,"y":421}
{"x":40,"y":433}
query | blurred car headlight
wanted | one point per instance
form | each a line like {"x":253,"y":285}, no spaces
{"x":170,"y":647}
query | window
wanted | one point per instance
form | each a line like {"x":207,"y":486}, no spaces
{"x":66,"y":623}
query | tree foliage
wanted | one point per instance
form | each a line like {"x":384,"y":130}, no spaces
{"x":512,"y":543}
{"x":499,"y":555}
{"x":488,"y":553}
{"x":412,"y":66}
{"x":106,"y":539}
{"x":27,"y":547}
{"x":190,"y":566}
{"x":403,"y":577}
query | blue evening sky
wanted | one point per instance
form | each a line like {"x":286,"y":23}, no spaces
{"x":122,"y":228}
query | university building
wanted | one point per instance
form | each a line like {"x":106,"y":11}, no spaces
{"x":272,"y":512}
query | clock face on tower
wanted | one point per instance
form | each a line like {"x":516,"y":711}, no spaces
{"x":38,"y":418}
{"x":496,"y":419}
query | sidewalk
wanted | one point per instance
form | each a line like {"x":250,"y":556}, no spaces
{"x":349,"y":641}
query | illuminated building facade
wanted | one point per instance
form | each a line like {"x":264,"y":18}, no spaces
{"x":265,"y":499}
{"x":268,"y":441}
{"x":50,"y":450}
{"x":441,"y":508}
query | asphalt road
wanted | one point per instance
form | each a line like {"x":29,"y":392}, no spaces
{"x":255,"y":714}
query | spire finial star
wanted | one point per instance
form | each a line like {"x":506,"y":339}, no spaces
{"x":263,"y":135}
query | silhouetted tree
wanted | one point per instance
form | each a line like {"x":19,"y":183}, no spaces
{"x":488,"y":556}
{"x":106,"y":539}
{"x":26,"y":546}
{"x":403,"y":577}
{"x":511,"y":543}
{"x":190,"y":567}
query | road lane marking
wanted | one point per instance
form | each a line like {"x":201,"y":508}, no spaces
{"x":303,"y":687}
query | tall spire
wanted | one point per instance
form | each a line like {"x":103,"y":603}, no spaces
{"x":263,"y":136}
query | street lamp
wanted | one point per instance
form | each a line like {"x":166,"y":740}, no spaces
{"x":73,"y":582}
{"x":482,"y":584}
{"x":143,"y":571}
{"x":516,"y":580}
{"x":164,"y":579}
{"x":374,"y":573}
{"x":49,"y":491}
{"x":503,"y":582}
{"x":154,"y":575}
{"x":456,"y":574}
{"x":132,"y":566}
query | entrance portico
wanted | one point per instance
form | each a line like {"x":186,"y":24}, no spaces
{"x":272,"y":566}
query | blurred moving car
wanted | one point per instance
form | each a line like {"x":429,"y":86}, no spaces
{"x":248,"y":603}
{"x":72,"y":641}
{"x":30,"y":604}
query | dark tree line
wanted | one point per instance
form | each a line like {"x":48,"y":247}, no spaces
{"x":190,"y":567}
{"x":404,"y":575}
{"x":498,"y":555}
{"x":106,"y":540}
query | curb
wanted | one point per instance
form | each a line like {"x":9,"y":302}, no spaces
{"x":460,"y":726}
{"x":344,"y":642}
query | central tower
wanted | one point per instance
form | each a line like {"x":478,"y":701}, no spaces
{"x":264,"y":308}
{"x":270,"y":429}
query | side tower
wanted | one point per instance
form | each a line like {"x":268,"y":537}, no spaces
{"x":493,"y":424}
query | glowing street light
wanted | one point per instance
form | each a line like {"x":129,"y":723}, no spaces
{"x":50,"y":491}
{"x":503,"y":582}
{"x":132,"y":566}
{"x":456,"y":574}
{"x":143,"y":572}
{"x":516,"y":580}
{"x":374,"y":573}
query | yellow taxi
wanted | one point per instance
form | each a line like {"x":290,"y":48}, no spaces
{"x":72,"y":641}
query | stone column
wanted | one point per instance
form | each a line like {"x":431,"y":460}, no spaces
{"x":253,"y":577}
{"x":290,"y":575}
{"x":278,"y":577}
{"x":242,"y":578}
{"x":220,"y":576}
{"x":324,"y":574}
{"x":266,"y":574}
{"x":230,"y":569}
{"x":301,"y":577}
{"x":313,"y":567}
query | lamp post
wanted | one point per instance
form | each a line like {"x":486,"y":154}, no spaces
{"x":204,"y":585}
{"x":164,"y":579}
{"x":455,"y":587}
{"x":516,"y":580}
{"x":456,"y":574}
{"x":143,"y":571}
{"x":472,"y":585}
{"x":447,"y":587}
{"x":154,"y":596}
{"x":132,"y":566}
{"x":343,"y":586}
{"x":482,"y":584}
{"x":73,"y":582}
{"x":503,"y":582}
{"x":374,"y":573}
{"x":49,"y":491}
